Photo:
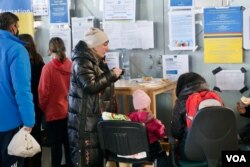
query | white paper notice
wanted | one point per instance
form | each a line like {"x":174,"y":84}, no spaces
{"x":230,"y":80}
{"x":112,"y":58}
{"x":181,"y":30}
{"x":174,"y":66}
{"x":40,"y":7}
{"x":145,"y":34}
{"x":208,"y":3}
{"x":246,"y":28}
{"x":130,"y":35}
{"x":64,"y":33}
{"x":119,"y":10}
{"x":79,"y":26}
{"x":244,"y":3}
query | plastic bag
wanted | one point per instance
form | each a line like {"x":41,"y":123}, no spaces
{"x":23,"y":144}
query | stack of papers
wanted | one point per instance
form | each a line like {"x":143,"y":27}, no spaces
{"x":152,"y":83}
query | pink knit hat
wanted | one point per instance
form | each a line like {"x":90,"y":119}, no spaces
{"x":140,"y":99}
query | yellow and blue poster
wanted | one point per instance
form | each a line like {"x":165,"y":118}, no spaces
{"x":23,"y":9}
{"x":223,"y":29}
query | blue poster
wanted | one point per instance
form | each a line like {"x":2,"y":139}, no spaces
{"x":15,"y":6}
{"x":223,"y":20}
{"x":180,"y":3}
{"x":59,"y":13}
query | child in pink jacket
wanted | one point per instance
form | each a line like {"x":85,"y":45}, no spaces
{"x":142,"y":114}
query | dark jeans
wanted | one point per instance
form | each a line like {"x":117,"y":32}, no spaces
{"x":7,"y":160}
{"x":58,"y":136}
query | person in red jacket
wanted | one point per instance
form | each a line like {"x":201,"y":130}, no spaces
{"x":155,"y":128}
{"x":53,"y":99}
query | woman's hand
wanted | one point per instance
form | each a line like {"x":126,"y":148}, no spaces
{"x":28,"y":129}
{"x":117,"y":71}
{"x":241,"y":107}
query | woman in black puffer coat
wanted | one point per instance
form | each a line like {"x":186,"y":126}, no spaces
{"x":91,"y":92}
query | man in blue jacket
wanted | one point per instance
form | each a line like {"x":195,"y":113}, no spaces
{"x":16,"y":100}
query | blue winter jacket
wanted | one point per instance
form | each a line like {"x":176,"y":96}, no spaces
{"x":16,"y":100}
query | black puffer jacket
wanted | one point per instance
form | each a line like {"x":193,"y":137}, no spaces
{"x":91,"y":92}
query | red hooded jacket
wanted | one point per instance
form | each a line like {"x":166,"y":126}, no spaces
{"x":53,"y":89}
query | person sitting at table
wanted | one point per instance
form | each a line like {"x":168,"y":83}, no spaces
{"x":187,"y":84}
{"x":156,"y":130}
{"x":142,"y":114}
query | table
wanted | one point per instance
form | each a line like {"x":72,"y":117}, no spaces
{"x":126,"y":88}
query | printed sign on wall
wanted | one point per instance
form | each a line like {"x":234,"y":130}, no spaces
{"x":59,"y":12}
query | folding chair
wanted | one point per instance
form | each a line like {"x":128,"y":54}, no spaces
{"x":121,"y":141}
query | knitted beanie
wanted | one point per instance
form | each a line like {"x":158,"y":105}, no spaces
{"x":140,"y":99}
{"x":94,"y":37}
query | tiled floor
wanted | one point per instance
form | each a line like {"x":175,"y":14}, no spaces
{"x":46,"y":162}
